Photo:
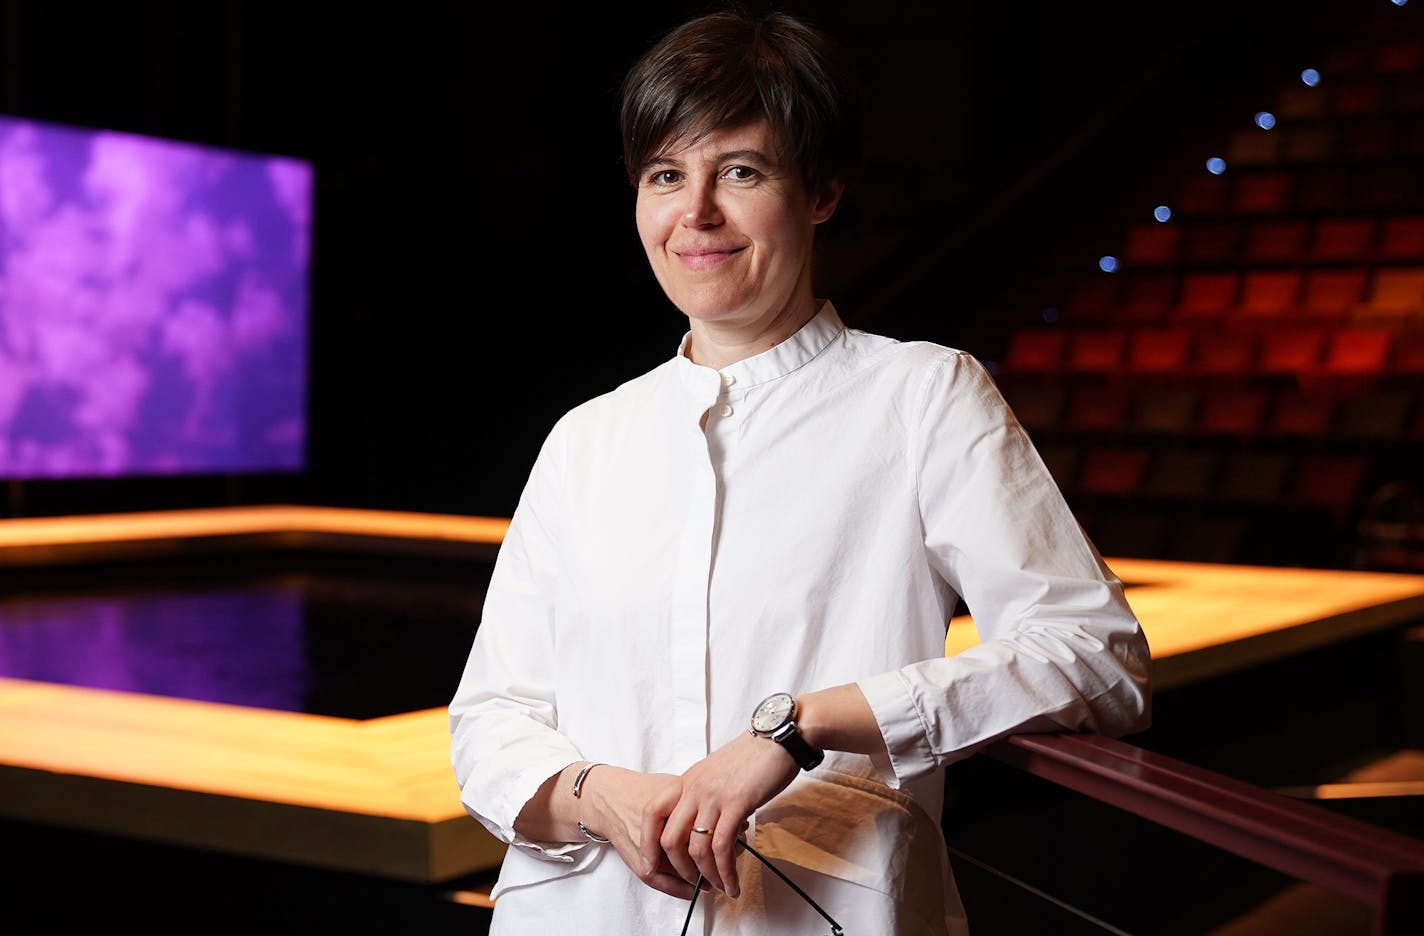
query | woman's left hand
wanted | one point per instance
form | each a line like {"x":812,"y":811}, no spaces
{"x":720,"y":792}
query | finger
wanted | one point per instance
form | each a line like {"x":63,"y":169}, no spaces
{"x":675,"y":841}
{"x":701,"y":848}
{"x":655,"y":813}
{"x":670,"y":884}
{"x":724,"y":855}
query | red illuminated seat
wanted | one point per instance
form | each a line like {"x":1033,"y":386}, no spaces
{"x":1093,"y":297}
{"x":1096,"y":408}
{"x":1215,"y":242}
{"x":1358,"y":352}
{"x":1396,"y":292}
{"x":1292,"y":351}
{"x":1329,"y":480}
{"x":1152,"y":243}
{"x":1112,"y":470}
{"x":1166,"y":410}
{"x":1207,"y":295}
{"x":1035,"y":351}
{"x":1348,"y":239}
{"x":1233,"y":411}
{"x":1159,"y":350}
{"x":1269,"y":292}
{"x":1407,"y":358}
{"x":1148,"y":297}
{"x":1225,"y":354}
{"x":1202,"y":193}
{"x":1333,"y":294}
{"x":1263,"y":193}
{"x":1096,"y":350}
{"x":1270,"y":241}
{"x":1402,"y":238}
{"x":1302,"y":413}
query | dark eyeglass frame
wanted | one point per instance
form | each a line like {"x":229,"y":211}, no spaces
{"x":835,"y":927}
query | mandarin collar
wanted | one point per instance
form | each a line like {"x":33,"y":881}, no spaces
{"x":777,"y":361}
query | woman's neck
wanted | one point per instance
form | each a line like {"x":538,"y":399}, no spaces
{"x":718,"y":344}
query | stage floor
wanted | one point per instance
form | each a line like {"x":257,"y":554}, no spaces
{"x":292,"y":726}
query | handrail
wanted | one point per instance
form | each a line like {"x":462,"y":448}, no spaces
{"x":1378,"y":867}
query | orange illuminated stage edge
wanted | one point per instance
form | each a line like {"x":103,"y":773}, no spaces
{"x":377,"y":795}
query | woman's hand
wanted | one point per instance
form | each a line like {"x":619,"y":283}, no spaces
{"x":618,"y":804}
{"x":719,"y":792}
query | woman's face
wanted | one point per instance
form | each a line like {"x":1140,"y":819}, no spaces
{"x":728,"y":228}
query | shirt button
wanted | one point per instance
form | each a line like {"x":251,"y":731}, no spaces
{"x":728,"y":380}
{"x":724,"y":410}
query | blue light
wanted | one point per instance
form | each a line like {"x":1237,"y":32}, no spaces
{"x":1216,"y":165}
{"x":1310,"y":76}
{"x":1265,"y":120}
{"x":1162,"y":213}
{"x":1050,"y":314}
{"x":1399,"y":2}
{"x":1107,"y":264}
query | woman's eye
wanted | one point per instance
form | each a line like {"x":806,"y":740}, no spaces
{"x":741,"y":173}
{"x":664,"y":177}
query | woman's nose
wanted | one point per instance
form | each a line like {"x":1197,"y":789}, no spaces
{"x":701,"y":208}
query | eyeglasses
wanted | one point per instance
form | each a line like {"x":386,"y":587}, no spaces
{"x":835,"y":927}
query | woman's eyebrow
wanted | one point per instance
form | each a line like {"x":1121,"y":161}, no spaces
{"x":673,"y":161}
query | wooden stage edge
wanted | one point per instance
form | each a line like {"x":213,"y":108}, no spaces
{"x":378,"y":796}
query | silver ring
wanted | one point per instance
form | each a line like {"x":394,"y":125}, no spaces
{"x":701,"y":831}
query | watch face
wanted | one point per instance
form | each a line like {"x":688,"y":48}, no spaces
{"x":772,"y":712}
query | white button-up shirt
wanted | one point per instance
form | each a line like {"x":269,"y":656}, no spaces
{"x":661,"y":576}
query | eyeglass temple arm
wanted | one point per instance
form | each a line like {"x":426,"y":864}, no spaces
{"x":697,"y":890}
{"x":835,"y":927}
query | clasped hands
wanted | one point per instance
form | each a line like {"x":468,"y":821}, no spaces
{"x":654,"y":821}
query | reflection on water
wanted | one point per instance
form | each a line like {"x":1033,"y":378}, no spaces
{"x":351,"y":645}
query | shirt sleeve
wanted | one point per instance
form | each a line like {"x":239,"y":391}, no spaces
{"x":1060,"y":648}
{"x":504,"y":740}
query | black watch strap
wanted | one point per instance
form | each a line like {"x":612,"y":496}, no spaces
{"x":805,"y":756}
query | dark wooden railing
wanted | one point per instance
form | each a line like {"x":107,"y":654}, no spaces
{"x":1378,"y":867}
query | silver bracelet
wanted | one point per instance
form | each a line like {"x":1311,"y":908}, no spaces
{"x":578,"y":792}
{"x":578,"y":781}
{"x":591,"y":836}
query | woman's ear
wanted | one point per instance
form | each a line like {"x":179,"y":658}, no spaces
{"x":824,"y":204}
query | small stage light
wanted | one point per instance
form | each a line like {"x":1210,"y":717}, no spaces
{"x":1162,"y":213}
{"x":1216,"y":165}
{"x":1107,"y":264}
{"x":1265,"y":120}
{"x":1310,"y":76}
{"x":1050,"y":314}
{"x":1399,"y":2}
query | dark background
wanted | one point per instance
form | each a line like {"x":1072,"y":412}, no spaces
{"x":476,"y":269}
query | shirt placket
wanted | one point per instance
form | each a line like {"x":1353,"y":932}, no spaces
{"x":690,"y":587}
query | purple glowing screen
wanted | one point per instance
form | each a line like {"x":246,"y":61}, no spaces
{"x":153,"y":306}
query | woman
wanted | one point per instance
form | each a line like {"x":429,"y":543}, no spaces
{"x":718,"y":618}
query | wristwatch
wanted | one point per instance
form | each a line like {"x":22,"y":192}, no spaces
{"x":775,"y":718}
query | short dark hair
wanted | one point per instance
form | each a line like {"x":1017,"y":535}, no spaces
{"x":724,"y":68}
